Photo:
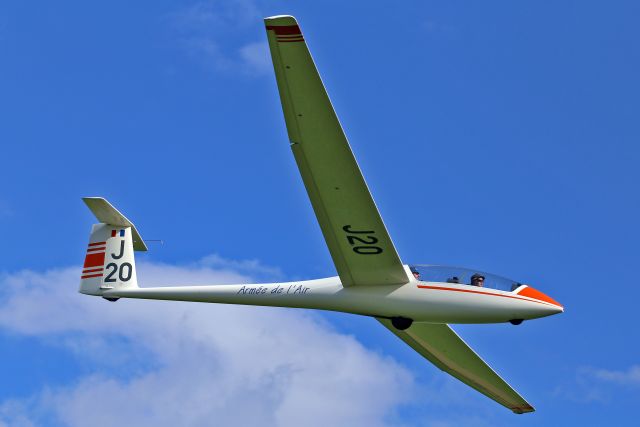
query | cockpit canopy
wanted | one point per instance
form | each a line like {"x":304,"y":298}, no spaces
{"x":463,"y":276}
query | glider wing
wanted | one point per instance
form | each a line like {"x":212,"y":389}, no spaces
{"x":440,"y":345}
{"x":358,"y":241}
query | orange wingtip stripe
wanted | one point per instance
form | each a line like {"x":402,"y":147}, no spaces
{"x":91,"y":276}
{"x":289,"y":41}
{"x":532,"y":293}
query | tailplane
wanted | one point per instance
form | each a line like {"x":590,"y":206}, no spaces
{"x":109,"y":262}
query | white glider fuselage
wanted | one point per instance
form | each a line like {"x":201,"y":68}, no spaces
{"x":418,"y":300}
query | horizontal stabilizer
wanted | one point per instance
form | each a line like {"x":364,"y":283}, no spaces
{"x":107,"y":214}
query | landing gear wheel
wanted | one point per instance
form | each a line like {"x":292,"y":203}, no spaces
{"x":401,"y":323}
{"x":516,"y":321}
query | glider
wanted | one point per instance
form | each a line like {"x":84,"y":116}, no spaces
{"x":415,"y":302}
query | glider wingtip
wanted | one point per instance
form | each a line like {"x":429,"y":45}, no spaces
{"x":89,"y":198}
{"x":280,"y":20}
{"x":523,"y":409}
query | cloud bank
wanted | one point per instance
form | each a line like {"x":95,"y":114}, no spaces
{"x":189,"y":364}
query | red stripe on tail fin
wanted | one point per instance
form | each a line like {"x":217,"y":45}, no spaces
{"x":94,"y":260}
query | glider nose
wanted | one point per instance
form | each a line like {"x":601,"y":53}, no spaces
{"x":553,"y":305}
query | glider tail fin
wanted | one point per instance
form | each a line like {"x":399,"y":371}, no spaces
{"x":109,"y":262}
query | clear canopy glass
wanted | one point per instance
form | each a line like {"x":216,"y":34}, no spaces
{"x":462,"y":276}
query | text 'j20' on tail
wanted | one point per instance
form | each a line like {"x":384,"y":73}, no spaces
{"x":109,"y":262}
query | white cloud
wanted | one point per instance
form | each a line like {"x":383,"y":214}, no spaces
{"x":215,"y":32}
{"x":190,"y":364}
{"x":14,"y":412}
{"x":628,"y":377}
{"x":252,"y":266}
{"x":596,"y":385}
{"x":206,"y":14}
{"x":256,"y":55}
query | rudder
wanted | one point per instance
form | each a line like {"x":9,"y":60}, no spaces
{"x":109,"y":262}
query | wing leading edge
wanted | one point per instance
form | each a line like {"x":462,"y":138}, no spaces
{"x":358,"y":241}
{"x":440,"y":345}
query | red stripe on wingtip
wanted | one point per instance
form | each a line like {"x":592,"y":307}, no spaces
{"x":290,"y":40}
{"x":97,"y":243}
{"x":285,"y":29}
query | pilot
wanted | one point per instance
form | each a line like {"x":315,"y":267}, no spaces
{"x":477,"y":280}
{"x":453,"y":279}
{"x":415,"y":273}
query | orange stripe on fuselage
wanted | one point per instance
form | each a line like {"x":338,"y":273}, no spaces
{"x":442,"y":288}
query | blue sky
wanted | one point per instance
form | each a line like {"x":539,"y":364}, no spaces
{"x":501,"y":136}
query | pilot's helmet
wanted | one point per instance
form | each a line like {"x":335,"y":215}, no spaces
{"x":414,"y":270}
{"x":477,"y":276}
